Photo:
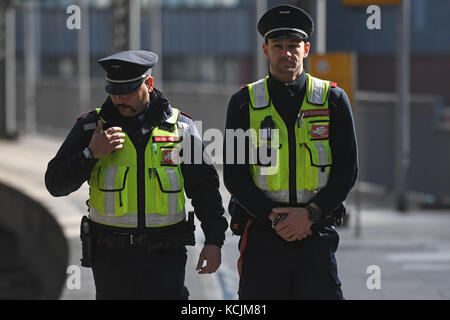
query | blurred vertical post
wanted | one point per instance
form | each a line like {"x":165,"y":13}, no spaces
{"x":261,"y":63}
{"x":134,"y":27}
{"x":30,"y":46}
{"x":84,"y":83}
{"x":8,"y":119}
{"x":10,"y":72}
{"x":321,"y":26}
{"x":403,"y":109}
{"x":120,"y":25}
{"x":156,"y":44}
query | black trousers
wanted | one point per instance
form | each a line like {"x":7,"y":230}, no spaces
{"x":275,"y":269}
{"x":133,"y":273}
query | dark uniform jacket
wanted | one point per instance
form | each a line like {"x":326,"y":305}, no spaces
{"x":69,"y":169}
{"x":287,"y":100}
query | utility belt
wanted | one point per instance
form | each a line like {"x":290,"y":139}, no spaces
{"x":156,"y":240}
{"x":240,"y":216}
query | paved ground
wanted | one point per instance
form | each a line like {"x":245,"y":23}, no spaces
{"x":410,"y":252}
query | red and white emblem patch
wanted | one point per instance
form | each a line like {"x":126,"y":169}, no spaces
{"x":170,"y":157}
{"x":165,"y":139}
{"x":319,"y":131}
{"x":315,"y":113}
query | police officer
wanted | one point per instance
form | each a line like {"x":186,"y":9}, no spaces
{"x":302,"y":166}
{"x":130,"y":151}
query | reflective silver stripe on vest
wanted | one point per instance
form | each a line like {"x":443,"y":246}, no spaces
{"x":130,"y":219}
{"x":322,"y":153}
{"x":322,"y":177}
{"x":174,"y":185}
{"x":282,"y":196}
{"x":109,"y":184}
{"x":261,"y":180}
{"x":127,"y":220}
{"x":154,"y":219}
{"x":259,"y":94}
{"x":317,"y":90}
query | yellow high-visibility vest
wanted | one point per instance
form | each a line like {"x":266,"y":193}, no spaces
{"x":312,"y":148}
{"x":113,"y":182}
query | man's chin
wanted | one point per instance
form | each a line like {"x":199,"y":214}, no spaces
{"x":126,"y":112}
{"x":287,"y":69}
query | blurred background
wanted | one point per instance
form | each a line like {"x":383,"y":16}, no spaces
{"x":391,"y":56}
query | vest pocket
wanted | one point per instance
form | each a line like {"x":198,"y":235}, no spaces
{"x":318,"y":153}
{"x":111,"y":181}
{"x":320,"y":163}
{"x":266,"y":155}
{"x":169,"y":190}
{"x":266,"y":169}
{"x":169,"y":179}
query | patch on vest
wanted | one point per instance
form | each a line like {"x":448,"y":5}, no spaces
{"x":166,"y":139}
{"x":170,"y":157}
{"x":316,"y":113}
{"x":319,"y":131}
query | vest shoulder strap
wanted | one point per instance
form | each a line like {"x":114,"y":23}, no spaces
{"x":260,"y":97}
{"x":317,"y":90}
{"x":169,"y":123}
{"x":172,"y":120}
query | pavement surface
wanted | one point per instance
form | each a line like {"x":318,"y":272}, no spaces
{"x":383,"y":254}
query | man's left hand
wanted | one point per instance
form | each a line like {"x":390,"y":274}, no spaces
{"x":296,"y":226}
{"x":213,"y":257}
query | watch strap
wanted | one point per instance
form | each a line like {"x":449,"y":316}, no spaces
{"x":315,"y":214}
{"x":88,"y":154}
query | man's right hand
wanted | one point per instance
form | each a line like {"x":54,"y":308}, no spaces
{"x":103,"y":143}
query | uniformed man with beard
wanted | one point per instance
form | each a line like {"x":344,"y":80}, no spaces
{"x":130,"y":152}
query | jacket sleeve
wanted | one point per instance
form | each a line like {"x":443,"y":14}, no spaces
{"x":69,"y":169}
{"x":201,"y":184}
{"x":344,"y":152}
{"x":237,"y":175}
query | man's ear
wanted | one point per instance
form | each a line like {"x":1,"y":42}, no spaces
{"x":307,"y":47}
{"x":265,"y":48}
{"x":150,"y":83}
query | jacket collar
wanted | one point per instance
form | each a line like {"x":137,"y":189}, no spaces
{"x":297,"y":86}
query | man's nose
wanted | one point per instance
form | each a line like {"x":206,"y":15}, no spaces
{"x":286,"y":52}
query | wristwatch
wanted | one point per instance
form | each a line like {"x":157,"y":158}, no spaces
{"x":88,"y":154}
{"x":315,"y":215}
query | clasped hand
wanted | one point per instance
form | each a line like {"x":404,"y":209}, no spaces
{"x":296,"y":225}
{"x":105,"y":142}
